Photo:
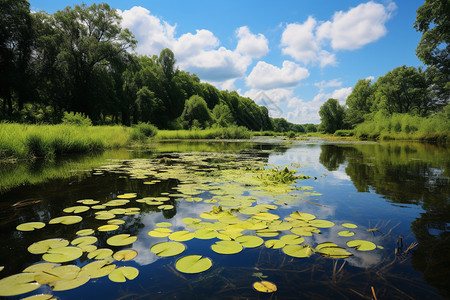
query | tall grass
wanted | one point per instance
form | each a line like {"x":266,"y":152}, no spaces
{"x":406,"y":127}
{"x":232,"y":132}
{"x":28,"y":141}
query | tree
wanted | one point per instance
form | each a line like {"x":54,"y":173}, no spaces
{"x":332,"y":116}
{"x":359,"y":102}
{"x":223,"y":115}
{"x":404,"y":90}
{"x":196,"y":112}
{"x":167,"y":61}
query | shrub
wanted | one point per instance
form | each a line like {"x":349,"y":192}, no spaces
{"x":343,"y":132}
{"x":142,"y":131}
{"x":76,"y":118}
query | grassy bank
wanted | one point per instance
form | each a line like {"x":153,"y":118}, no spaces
{"x":29,"y":141}
{"x":232,"y":132}
{"x":406,"y":127}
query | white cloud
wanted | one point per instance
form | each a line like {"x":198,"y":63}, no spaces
{"x":250,"y":44}
{"x":357,"y":27}
{"x":266,"y":76}
{"x":190,"y":44}
{"x":372,"y":78}
{"x":331,"y":83}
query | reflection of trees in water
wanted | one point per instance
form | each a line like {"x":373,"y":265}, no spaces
{"x":409,"y":174}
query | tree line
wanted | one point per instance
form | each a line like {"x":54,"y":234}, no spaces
{"x":403,"y":90}
{"x":80,"y":59}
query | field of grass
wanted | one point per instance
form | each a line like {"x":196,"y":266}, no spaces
{"x":29,"y":141}
{"x":406,"y":127}
{"x":232,"y":132}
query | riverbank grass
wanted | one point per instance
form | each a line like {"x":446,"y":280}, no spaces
{"x":232,"y":132}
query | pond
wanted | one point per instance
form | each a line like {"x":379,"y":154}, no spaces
{"x":305,"y":219}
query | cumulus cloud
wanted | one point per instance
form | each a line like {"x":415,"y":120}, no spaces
{"x":331,"y":83}
{"x":250,"y":44}
{"x":195,"y":52}
{"x":266,"y":76}
{"x":357,"y":27}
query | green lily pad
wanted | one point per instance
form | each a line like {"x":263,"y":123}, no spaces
{"x":63,"y":254}
{"x":281,"y":227}
{"x":66,"y":220}
{"x":117,"y":211}
{"x":181,"y":236}
{"x":127,"y":196}
{"x":167,"y":249}
{"x":40,"y":297}
{"x":97,"y":269}
{"x":166,"y":207}
{"x":18,"y":284}
{"x":349,"y":225}
{"x":361,"y":245}
{"x":67,"y":272}
{"x":43,"y":246}
{"x":325,"y":244}
{"x":274,"y":244}
{"x":101,"y":206}
{"x":302,"y":216}
{"x":305,"y":231}
{"x":125,"y":255}
{"x":265,"y":216}
{"x":30,"y":226}
{"x":265,"y":287}
{"x":123,"y":273}
{"x":39,"y":267}
{"x":205,"y":234}
{"x":346,"y":233}
{"x":321,"y":223}
{"x":116,"y":222}
{"x":190,"y":220}
{"x":160,"y":232}
{"x":267,"y":233}
{"x":121,"y":240}
{"x":164,"y":224}
{"x":84,"y":232}
{"x":193,"y":264}
{"x":298,"y":251}
{"x":88,"y":201}
{"x":116,"y":202}
{"x":108,"y":227}
{"x":84,"y":241}
{"x":250,"y":241}
{"x":335,"y":252}
{"x":105,"y":216}
{"x":76,"y":209}
{"x":101,"y":253}
{"x":64,"y":285}
{"x":226,"y":247}
{"x":292,"y":239}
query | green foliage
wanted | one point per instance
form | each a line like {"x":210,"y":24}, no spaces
{"x":143,"y":131}
{"x":359,"y":102}
{"x":344,"y":132}
{"x":196,"y":113}
{"x":290,"y":135}
{"x":231,"y":132}
{"x":222,"y":115}
{"x":310,"y":128}
{"x":76,"y":119}
{"x":332,"y":116}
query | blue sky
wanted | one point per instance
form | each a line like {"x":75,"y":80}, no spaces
{"x":288,"y":55}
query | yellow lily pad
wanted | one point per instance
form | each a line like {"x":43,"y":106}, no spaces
{"x":274,"y":244}
{"x":302,"y":216}
{"x":84,"y":241}
{"x":123,"y":273}
{"x":18,"y":284}
{"x":346,"y":233}
{"x":349,"y":225}
{"x":181,"y":236}
{"x":265,"y":216}
{"x":127,"y":196}
{"x":305,"y":231}
{"x":121,"y":240}
{"x":84,"y":232}
{"x":30,"y":226}
{"x":292,"y":239}
{"x":192,"y":264}
{"x":267,"y":233}
{"x":226,"y":247}
{"x":116,"y":202}
{"x":335,"y":252}
{"x":190,"y":220}
{"x":97,"y":269}
{"x":40,"y":297}
{"x":63,"y":254}
{"x":160,"y":232}
{"x":39,"y":267}
{"x":298,"y":251}
{"x":101,"y":253}
{"x":265,"y":287}
{"x":76,"y":209}
{"x":164,"y":224}
{"x":67,"y":272}
{"x":44,"y":245}
{"x":166,"y":207}
{"x":116,"y":222}
{"x":64,"y":285}
{"x":205,"y":234}
{"x":105,"y":216}
{"x":249,"y":241}
{"x":321,"y":223}
{"x":66,"y":220}
{"x":361,"y":245}
{"x":167,"y":249}
{"x":88,"y":201}
{"x":125,"y":255}
{"x":108,"y":227}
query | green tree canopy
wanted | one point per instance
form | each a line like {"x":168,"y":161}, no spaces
{"x":359,"y":102}
{"x":332,"y":116}
{"x":223,"y":116}
{"x":196,"y":112}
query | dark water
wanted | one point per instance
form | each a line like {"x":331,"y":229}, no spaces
{"x":397,"y":193}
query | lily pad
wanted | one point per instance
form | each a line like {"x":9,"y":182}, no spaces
{"x":63,"y":254}
{"x":64,"y":285}
{"x":167,"y":249}
{"x":298,"y":251}
{"x":226,"y":247}
{"x":160,"y":232}
{"x":88,"y":201}
{"x":164,"y":224}
{"x":335,"y":252}
{"x":349,"y":225}
{"x":76,"y":209}
{"x":97,"y":269}
{"x":116,"y":202}
{"x":39,"y":267}
{"x":181,"y":236}
{"x":205,"y":234}
{"x":30,"y":226}
{"x":108,"y":227}
{"x":361,"y":245}
{"x":166,"y":207}
{"x":321,"y":223}
{"x":84,"y":232}
{"x":302,"y":216}
{"x":116,"y":222}
{"x":105,"y":216}
{"x":325,"y":244}
{"x":267,"y":233}
{"x":43,"y":246}
{"x":40,"y":297}
{"x":121,"y":240}
{"x":127,"y":196}
{"x":265,"y":216}
{"x":274,"y":244}
{"x":101,"y":253}
{"x":346,"y":233}
{"x":292,"y":239}
{"x":67,"y":272}
{"x":18,"y":284}
{"x":123,"y":273}
{"x":265,"y":287}
{"x":193,"y":264}
{"x":125,"y":255}
{"x":250,"y":241}
{"x":190,"y":220}
{"x":66,"y":220}
{"x":305,"y":231}
{"x":84,"y":240}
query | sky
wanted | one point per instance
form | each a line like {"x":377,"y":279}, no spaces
{"x":288,"y":55}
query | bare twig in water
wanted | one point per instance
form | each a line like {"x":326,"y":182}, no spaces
{"x":317,"y":204}
{"x":373,"y":293}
